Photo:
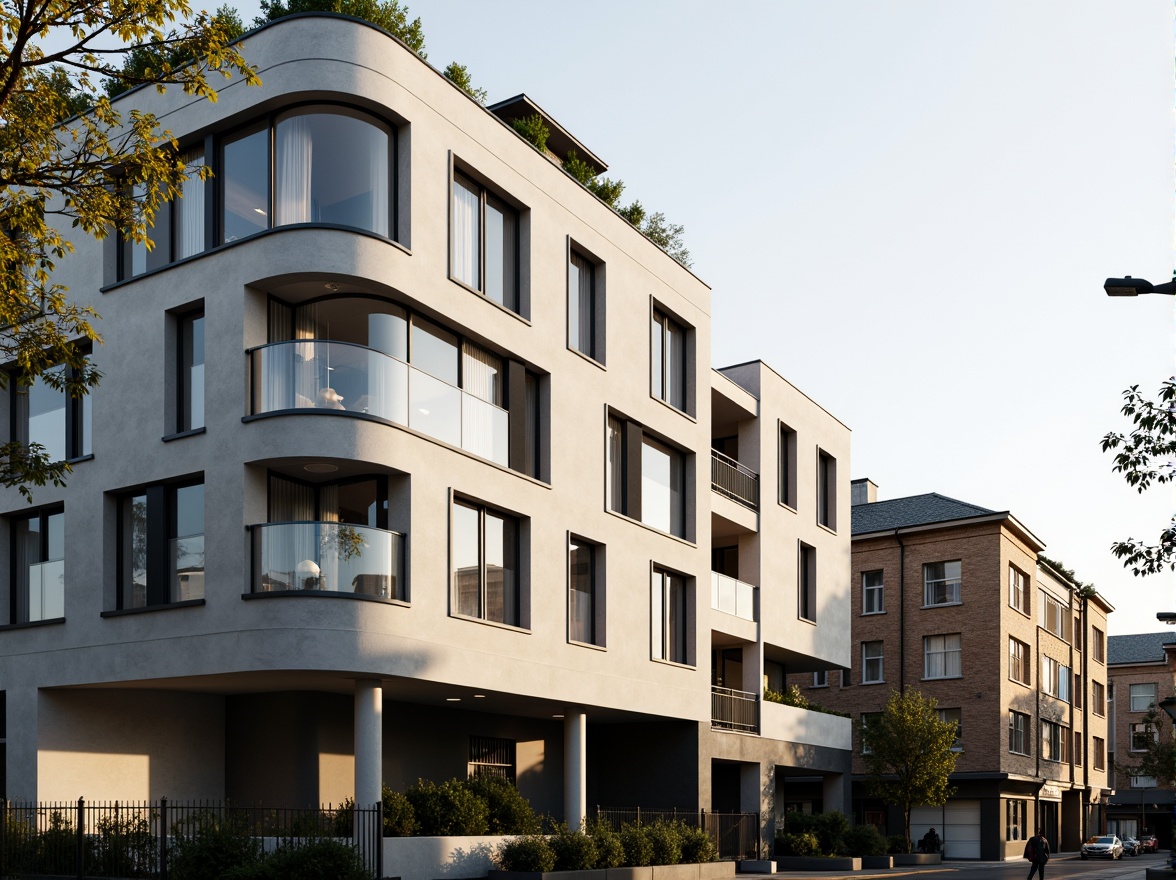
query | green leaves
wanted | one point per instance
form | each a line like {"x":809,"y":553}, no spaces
{"x":533,"y":130}
{"x":387,"y":14}
{"x":459,"y":75}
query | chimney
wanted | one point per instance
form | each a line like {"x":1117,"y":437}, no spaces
{"x":862,"y":492}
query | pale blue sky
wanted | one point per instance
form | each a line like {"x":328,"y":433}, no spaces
{"x":908,"y":210}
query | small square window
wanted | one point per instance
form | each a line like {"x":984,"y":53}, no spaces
{"x":1143,"y":696}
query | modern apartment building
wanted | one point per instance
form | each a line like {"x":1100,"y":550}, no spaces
{"x":951,"y":599}
{"x":1142,"y":671}
{"x":408,"y":461}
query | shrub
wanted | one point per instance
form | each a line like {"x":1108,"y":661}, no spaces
{"x":802,"y":843}
{"x":509,"y":811}
{"x":609,"y":851}
{"x":666,"y":841}
{"x":125,"y":847}
{"x":533,"y":130}
{"x":637,"y":846}
{"x":898,"y":843}
{"x":863,"y":840}
{"x":697,"y":846}
{"x":399,"y":818}
{"x":829,"y":828}
{"x":320,"y":859}
{"x":447,"y":809}
{"x":208,"y":846}
{"x":530,"y":852}
{"x":574,"y":849}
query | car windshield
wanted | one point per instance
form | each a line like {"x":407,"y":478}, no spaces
{"x":1106,"y":840}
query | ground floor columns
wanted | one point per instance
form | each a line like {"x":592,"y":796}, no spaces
{"x":369,"y":740}
{"x":835,"y":793}
{"x":575,"y":767}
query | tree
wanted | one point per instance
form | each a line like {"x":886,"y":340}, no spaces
{"x":68,"y":157}
{"x":1159,"y":757}
{"x":908,"y":753}
{"x":460,"y":77}
{"x":1145,"y":456}
{"x":390,"y":15}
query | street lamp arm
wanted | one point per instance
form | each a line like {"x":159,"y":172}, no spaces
{"x":1136,"y":286}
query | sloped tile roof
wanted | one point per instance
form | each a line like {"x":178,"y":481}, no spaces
{"x":1139,"y":648}
{"x":915,"y":510}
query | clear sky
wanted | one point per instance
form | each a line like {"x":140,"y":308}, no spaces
{"x":907,"y":209}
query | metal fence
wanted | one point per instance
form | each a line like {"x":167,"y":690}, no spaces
{"x":139,"y":839}
{"x":730,"y":478}
{"x":736,"y":836}
{"x":734,"y":710}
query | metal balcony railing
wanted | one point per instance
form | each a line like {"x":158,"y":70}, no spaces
{"x":732,"y":597}
{"x":734,"y":710}
{"x":730,"y":478}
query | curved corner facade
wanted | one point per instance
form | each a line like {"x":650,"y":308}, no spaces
{"x":407,"y":462}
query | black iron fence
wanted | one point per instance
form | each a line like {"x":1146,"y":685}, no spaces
{"x":139,"y":839}
{"x":735,"y":835}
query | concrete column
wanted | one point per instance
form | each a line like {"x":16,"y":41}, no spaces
{"x":369,"y":741}
{"x":835,"y":793}
{"x":575,"y":768}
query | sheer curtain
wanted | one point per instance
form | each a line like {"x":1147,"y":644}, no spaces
{"x":465,"y":235}
{"x":284,"y":547}
{"x":190,"y":208}
{"x":378,"y":179}
{"x":581,"y":306}
{"x":306,"y":370}
{"x":295,"y":163}
{"x":484,"y":429}
{"x":616,"y":465}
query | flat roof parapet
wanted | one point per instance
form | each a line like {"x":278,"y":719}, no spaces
{"x":560,"y":143}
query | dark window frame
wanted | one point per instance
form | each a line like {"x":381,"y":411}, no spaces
{"x":659,"y":384}
{"x":512,"y":299}
{"x":806,"y":583}
{"x":160,"y":531}
{"x":596,"y":595}
{"x":185,"y":335}
{"x":77,"y":444}
{"x":675,"y":646}
{"x":18,"y":612}
{"x":595,"y":331}
{"x":786,"y":464}
{"x":482,"y":510}
{"x":826,"y":490}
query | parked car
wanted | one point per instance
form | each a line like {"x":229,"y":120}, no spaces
{"x":1130,"y":845}
{"x":1149,"y":843}
{"x":1106,"y":847}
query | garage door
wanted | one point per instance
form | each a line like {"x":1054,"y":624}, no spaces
{"x":957,"y":823}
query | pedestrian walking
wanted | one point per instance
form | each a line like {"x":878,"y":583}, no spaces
{"x":1037,"y":852}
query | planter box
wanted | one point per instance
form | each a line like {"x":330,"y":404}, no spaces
{"x":799,"y":863}
{"x":424,"y":858}
{"x":705,"y":871}
{"x":875,"y":863}
{"x":757,"y":866}
{"x":906,"y":859}
{"x":716,"y":871}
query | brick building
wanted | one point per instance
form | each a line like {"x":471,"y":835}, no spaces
{"x":952,"y":599}
{"x":1142,"y":671}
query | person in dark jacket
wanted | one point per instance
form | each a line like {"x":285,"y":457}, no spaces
{"x":1037,"y":852}
{"x":930,"y":842}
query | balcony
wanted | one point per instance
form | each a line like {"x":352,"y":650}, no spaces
{"x":733,"y":597}
{"x":734,"y":710}
{"x":328,"y":557}
{"x":341,"y":376}
{"x":732,"y":480}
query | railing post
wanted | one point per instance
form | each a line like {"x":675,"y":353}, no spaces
{"x":759,"y":837}
{"x":79,"y":852}
{"x":163,"y":838}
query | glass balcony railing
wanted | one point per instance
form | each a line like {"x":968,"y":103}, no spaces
{"x":47,"y":590}
{"x":328,"y":557}
{"x":319,"y":375}
{"x":732,"y":597}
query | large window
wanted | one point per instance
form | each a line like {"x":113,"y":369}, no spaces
{"x":331,"y":165}
{"x":941,"y":583}
{"x":651,"y":483}
{"x":669,"y":630}
{"x":1055,"y":678}
{"x":1055,"y":742}
{"x":1020,"y":665}
{"x":485,"y":564}
{"x":1143,"y":736}
{"x":667,"y":357}
{"x":1054,"y":616}
{"x":178,"y":230}
{"x":1142,"y":696}
{"x":161,"y":546}
{"x":190,"y":388}
{"x":872,"y":586}
{"x":1018,"y":733}
{"x":1098,"y":699}
{"x":38,"y":567}
{"x":585,"y":315}
{"x":585,"y":564}
{"x":872,"y":662}
{"x":484,"y":247}
{"x":826,"y":489}
{"x":941,"y":656}
{"x":806,"y":589}
{"x":1018,"y":590}
{"x":46,"y":414}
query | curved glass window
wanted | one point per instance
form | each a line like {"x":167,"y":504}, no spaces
{"x":331,"y":165}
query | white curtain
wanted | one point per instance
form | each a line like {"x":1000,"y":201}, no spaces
{"x":295,"y":165}
{"x":616,"y":465}
{"x":481,"y":378}
{"x":581,"y":305}
{"x":378,"y":179}
{"x":190,"y":209}
{"x":465,"y":235}
{"x":481,"y":373}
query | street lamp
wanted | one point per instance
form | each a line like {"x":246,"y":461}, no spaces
{"x":1168,"y":617}
{"x":1135,"y":286}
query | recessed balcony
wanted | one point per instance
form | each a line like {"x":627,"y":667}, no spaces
{"x":328,"y":557}
{"x":733,"y":596}
{"x":321,"y":376}
{"x":734,"y":710}
{"x":732,"y":480}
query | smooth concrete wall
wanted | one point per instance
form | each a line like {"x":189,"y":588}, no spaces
{"x":129,"y":745}
{"x":426,"y":858}
{"x":805,"y":726}
{"x":645,"y":764}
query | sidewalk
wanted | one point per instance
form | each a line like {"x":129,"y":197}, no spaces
{"x":907,"y":871}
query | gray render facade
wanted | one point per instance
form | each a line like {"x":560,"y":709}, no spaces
{"x":408,"y":461}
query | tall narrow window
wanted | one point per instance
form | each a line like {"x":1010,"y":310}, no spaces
{"x":668,"y":360}
{"x":953,"y":716}
{"x":161,"y":546}
{"x":1099,"y":745}
{"x":872,"y":592}
{"x":45,"y":413}
{"x":245,"y":184}
{"x":826,"y":490}
{"x":669,"y":617}
{"x":486,"y":564}
{"x":663,"y":501}
{"x":616,"y":482}
{"x":807,"y":583}
{"x":484,"y":243}
{"x":787,"y":466}
{"x":1098,"y":639}
{"x":1018,"y":733}
{"x":871,"y":662}
{"x":38,"y":543}
{"x":1019,"y":661}
{"x":1018,"y":590}
{"x":582,"y":305}
{"x":582,"y":599}
{"x":178,"y":229}
{"x":1098,"y":698}
{"x":191,"y":384}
